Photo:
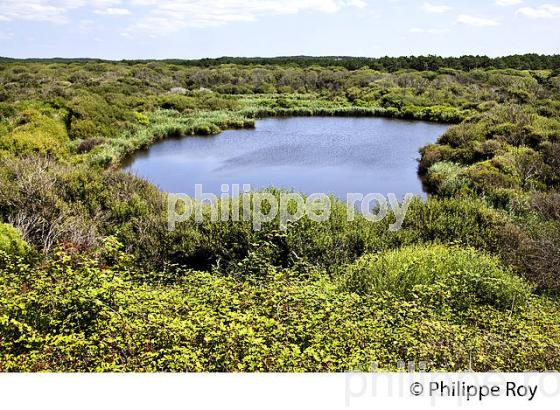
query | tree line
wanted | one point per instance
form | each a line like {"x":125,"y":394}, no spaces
{"x":421,"y":63}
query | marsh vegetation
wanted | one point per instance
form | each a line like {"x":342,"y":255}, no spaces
{"x":92,"y":280}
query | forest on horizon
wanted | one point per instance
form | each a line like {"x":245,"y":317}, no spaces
{"x":420,"y":63}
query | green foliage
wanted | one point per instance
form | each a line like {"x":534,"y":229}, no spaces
{"x":92,"y":116}
{"x":36,"y":132}
{"x":466,"y":221}
{"x":76,"y":313}
{"x":11,"y":241}
{"x":142,"y":119}
{"x":163,"y":124}
{"x":446,"y":178}
{"x":459,"y":277}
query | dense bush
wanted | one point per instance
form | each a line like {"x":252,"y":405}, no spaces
{"x":36,"y":132}
{"x":80,"y":314}
{"x":11,"y":241}
{"x":458,"y":277}
{"x":534,"y":250}
{"x":52,"y":203}
{"x":446,"y":178}
{"x":90,"y":116}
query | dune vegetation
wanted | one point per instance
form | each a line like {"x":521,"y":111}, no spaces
{"x":91,"y":279}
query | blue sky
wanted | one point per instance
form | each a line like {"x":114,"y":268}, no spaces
{"x":210,"y":28}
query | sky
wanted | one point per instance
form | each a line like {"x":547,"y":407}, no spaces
{"x":128,"y":29}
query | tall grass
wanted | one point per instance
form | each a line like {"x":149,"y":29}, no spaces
{"x":163,"y":124}
{"x":469,"y":277}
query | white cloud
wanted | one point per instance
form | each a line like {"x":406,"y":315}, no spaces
{"x":54,"y":11}
{"x":477,"y":21}
{"x":168,"y":16}
{"x":541,"y":12}
{"x":113,"y":11}
{"x":35,"y":10}
{"x":508,"y":2}
{"x":435,"y":8}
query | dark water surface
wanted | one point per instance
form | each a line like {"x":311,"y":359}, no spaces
{"x":308,"y":154}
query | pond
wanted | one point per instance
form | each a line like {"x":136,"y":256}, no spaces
{"x":330,"y":155}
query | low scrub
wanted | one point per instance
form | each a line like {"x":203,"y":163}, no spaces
{"x":96,"y":314}
{"x":457,"y":277}
{"x":11,"y":241}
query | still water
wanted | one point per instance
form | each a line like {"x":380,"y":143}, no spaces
{"x":308,"y":154}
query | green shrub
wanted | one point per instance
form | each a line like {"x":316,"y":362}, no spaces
{"x":463,"y":276}
{"x":446,"y":178}
{"x":176,"y":102}
{"x":468,"y":221}
{"x":92,"y":116}
{"x":141,"y":118}
{"x":487,"y":177}
{"x":37,"y":133}
{"x":434,"y":153}
{"x":11,"y":241}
